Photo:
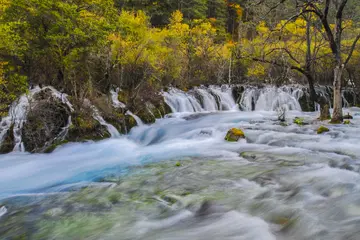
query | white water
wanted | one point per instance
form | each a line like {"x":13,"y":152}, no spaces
{"x":3,"y":211}
{"x":326,"y":199}
{"x":118,"y":104}
{"x":271,"y":99}
{"x":201,"y":99}
{"x":302,"y":175}
{"x":139,"y":122}
{"x":111,"y":129}
{"x":115,"y":99}
{"x":216,"y":98}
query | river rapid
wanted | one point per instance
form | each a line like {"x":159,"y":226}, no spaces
{"x":179,"y":179}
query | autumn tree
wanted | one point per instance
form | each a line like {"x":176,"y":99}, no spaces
{"x":334,"y":30}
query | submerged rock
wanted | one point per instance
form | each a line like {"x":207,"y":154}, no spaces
{"x":234,"y":134}
{"x":348,"y":116}
{"x":299,"y":121}
{"x":322,"y":129}
{"x":205,"y":209}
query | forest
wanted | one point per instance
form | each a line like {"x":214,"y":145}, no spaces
{"x":85,"y":47}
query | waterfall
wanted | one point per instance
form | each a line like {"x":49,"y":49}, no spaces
{"x":137,"y":119}
{"x":96,"y":115}
{"x":115,"y":99}
{"x":117,"y":104}
{"x":226,"y":98}
{"x":180,"y":101}
{"x":272,"y":98}
{"x":220,"y":98}
{"x":201,"y":99}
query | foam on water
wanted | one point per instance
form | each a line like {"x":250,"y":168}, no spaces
{"x":307,"y":186}
{"x":3,"y":211}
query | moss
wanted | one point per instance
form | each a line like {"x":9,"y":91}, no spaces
{"x":8,"y":143}
{"x":85,"y":128}
{"x":234,"y":134}
{"x":114,"y":197}
{"x":299,"y":121}
{"x":178,"y":164}
{"x":53,"y":146}
{"x":335,"y":122}
{"x":347,"y":122}
{"x":322,"y":129}
{"x":79,"y":226}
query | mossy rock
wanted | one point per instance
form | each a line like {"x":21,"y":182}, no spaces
{"x":46,"y":119}
{"x":234,"y":134}
{"x":299,"y":121}
{"x":322,"y":129}
{"x":348,"y":116}
{"x":284,"y":124}
{"x":347,"y":122}
{"x":85,"y":128}
{"x":8,"y":143}
{"x":55,"y":145}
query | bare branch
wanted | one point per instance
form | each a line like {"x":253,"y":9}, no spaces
{"x":352,"y":49}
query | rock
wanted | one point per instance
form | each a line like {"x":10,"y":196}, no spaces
{"x":299,"y":121}
{"x":85,"y":127}
{"x":283,"y":124}
{"x":348,"y":116}
{"x":234,"y":134}
{"x":347,"y":122}
{"x":8,"y":143}
{"x":46,"y":119}
{"x":322,"y":129}
{"x":205,"y":209}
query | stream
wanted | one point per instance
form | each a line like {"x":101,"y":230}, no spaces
{"x":178,"y":179}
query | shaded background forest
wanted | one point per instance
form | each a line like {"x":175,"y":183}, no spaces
{"x":86,"y":47}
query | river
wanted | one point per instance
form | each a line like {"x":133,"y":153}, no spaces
{"x":179,"y":179}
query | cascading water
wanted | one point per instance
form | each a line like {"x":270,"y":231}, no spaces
{"x":216,"y":98}
{"x":115,"y":99}
{"x":117,"y":104}
{"x":201,"y":99}
{"x":18,"y":113}
{"x":281,"y":182}
{"x":271,"y":98}
{"x":111,"y":129}
{"x":139,"y":122}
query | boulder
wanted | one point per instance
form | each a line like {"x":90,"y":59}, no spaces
{"x":46,"y":119}
{"x":348,"y":116}
{"x":322,"y":129}
{"x":8,"y":143}
{"x":299,"y":121}
{"x":234,"y":134}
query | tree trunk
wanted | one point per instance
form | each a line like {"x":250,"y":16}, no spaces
{"x":337,"y":114}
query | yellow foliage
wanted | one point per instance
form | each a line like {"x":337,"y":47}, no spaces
{"x":256,"y":70}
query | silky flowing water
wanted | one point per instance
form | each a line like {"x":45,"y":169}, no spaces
{"x":179,"y":179}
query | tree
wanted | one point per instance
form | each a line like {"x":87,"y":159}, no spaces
{"x":334,"y":38}
{"x":52,"y":41}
